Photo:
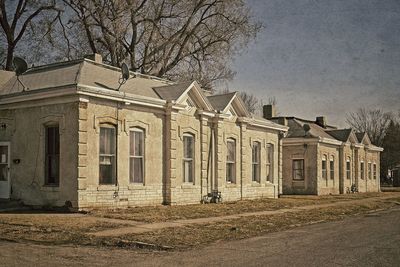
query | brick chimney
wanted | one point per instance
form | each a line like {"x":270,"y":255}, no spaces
{"x":95,"y":57}
{"x":321,"y":121}
{"x":269,"y":111}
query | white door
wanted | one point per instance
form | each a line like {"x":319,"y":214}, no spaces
{"x":5,"y":170}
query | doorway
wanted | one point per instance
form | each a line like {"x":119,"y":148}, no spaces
{"x":5,"y":184}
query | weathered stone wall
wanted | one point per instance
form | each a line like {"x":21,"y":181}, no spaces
{"x":124,"y":117}
{"x":25,"y":131}
{"x":307,"y":152}
{"x":368,"y":184}
{"x":263,"y":188}
{"x":330,"y":185}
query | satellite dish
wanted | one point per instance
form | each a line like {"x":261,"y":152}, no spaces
{"x":20,"y":65}
{"x":125,"y":71}
{"x":306,"y":128}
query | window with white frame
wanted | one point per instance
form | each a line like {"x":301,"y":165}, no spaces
{"x":52,"y":155}
{"x":270,"y":163}
{"x":369,"y":170}
{"x":298,"y":169}
{"x":231,"y":161}
{"x":362,"y":169}
{"x":188,"y":158}
{"x":136,"y":155}
{"x":256,"y":150}
{"x":324,"y":167}
{"x":348,"y":168}
{"x":332,"y":168}
{"x":107,"y":155}
{"x":374,"y":171}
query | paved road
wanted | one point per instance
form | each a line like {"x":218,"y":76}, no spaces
{"x":371,"y":240}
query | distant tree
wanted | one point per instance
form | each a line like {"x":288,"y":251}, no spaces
{"x":390,"y":156}
{"x":251,"y":101}
{"x":18,"y":17}
{"x":374,"y":122}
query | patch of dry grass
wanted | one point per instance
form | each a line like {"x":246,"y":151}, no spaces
{"x":171,"y":213}
{"x":50,"y":228}
{"x":245,"y":227}
{"x":76,"y":228}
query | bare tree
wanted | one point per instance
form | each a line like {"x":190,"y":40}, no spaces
{"x":373,"y":122}
{"x":16,"y":17}
{"x":251,"y":101}
{"x":186,"y":39}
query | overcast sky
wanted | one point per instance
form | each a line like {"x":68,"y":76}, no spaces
{"x":324,"y":57}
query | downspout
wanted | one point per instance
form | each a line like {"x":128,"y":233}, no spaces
{"x":241,"y":162}
{"x":212,"y":158}
{"x":280,"y":162}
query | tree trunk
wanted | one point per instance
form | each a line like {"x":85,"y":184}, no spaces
{"x":10,"y":54}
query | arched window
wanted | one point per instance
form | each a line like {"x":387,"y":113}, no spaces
{"x":332,"y":167}
{"x":231,"y":160}
{"x":188,"y":158}
{"x":52,"y":155}
{"x":348,"y":168}
{"x":369,"y":170}
{"x":270,"y":162}
{"x":362,"y":169}
{"x":108,"y":158}
{"x":136,"y":155}
{"x":256,"y":161}
{"x":324,"y":170}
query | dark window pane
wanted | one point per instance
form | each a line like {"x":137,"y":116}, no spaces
{"x":137,"y":170}
{"x":52,"y":155}
{"x":107,"y":159}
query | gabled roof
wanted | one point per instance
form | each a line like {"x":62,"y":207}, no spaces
{"x":296,"y":129}
{"x":340,"y":134}
{"x":363,"y":138}
{"x":173,"y":91}
{"x":221,"y":101}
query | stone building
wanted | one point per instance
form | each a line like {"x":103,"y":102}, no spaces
{"x":320,"y":159}
{"x":75,"y":133}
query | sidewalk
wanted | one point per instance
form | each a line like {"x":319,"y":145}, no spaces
{"x":137,"y":227}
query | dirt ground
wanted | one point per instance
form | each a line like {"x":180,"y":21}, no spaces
{"x":170,"y":213}
{"x":78,"y":229}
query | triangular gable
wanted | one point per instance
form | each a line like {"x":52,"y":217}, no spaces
{"x":366,"y":140}
{"x":352,"y":137}
{"x":196,"y":96}
{"x":238,"y":106}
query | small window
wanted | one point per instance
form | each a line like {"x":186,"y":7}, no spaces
{"x":332,"y":168}
{"x":369,"y":170}
{"x":231,"y":161}
{"x":52,"y":155}
{"x":107,"y":162}
{"x":256,"y":161}
{"x":298,"y":169}
{"x":374,"y":171}
{"x":324,"y":170}
{"x":188,"y":158}
{"x":362,"y":170}
{"x":136,"y":155}
{"x":348,"y":169}
{"x":269,"y":163}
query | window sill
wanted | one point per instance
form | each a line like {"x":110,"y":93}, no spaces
{"x":256,"y":184}
{"x":106,"y":187}
{"x":136,"y":186}
{"x":189,"y":185}
{"x":231,"y":185}
{"x":50,"y":188}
